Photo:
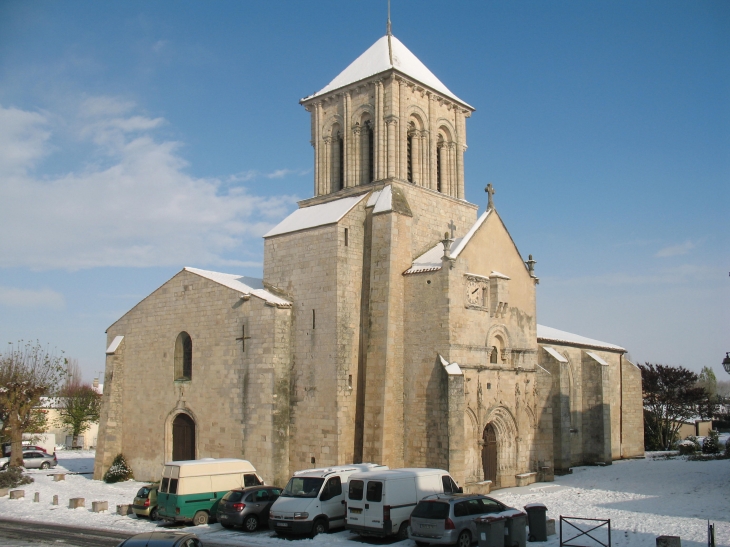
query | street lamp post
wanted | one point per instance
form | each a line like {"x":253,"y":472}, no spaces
{"x":726,"y":362}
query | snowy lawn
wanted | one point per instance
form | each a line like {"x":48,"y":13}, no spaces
{"x":643,"y":499}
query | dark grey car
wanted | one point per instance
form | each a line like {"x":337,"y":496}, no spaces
{"x":168,"y":538}
{"x":247,"y":507}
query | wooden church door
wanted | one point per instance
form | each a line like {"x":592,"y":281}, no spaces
{"x":183,"y":438}
{"x":489,"y":454}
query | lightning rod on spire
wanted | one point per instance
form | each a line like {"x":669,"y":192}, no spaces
{"x":387,"y":27}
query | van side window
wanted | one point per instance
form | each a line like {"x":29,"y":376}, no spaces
{"x":173,"y":486}
{"x":165,"y":482}
{"x":356,"y":488}
{"x":446,"y":482}
{"x":374,"y":491}
{"x":332,"y":489}
{"x":251,"y":480}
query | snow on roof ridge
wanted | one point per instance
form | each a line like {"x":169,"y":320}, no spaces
{"x":377,"y":59}
{"x":548,"y":333}
{"x":243,"y":284}
{"x":384,"y":203}
{"x":313,"y":216}
{"x":470,"y":233}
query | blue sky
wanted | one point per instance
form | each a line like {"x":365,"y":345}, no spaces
{"x":140,"y":137}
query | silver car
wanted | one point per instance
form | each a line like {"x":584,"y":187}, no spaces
{"x":447,"y":519}
{"x":33,"y":459}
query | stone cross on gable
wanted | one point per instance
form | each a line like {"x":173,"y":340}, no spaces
{"x":490,"y":190}
{"x":452,"y":227}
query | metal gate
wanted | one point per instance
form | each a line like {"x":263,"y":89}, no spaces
{"x":489,"y":454}
{"x":592,"y":532}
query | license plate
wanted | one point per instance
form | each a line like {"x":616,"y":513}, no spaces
{"x":282,"y":524}
{"x":355,"y":510}
{"x":223,"y":517}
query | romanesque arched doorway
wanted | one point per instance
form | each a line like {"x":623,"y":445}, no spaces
{"x":183,"y":438}
{"x":489,"y":454}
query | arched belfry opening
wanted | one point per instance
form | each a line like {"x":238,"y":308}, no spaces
{"x":183,"y":437}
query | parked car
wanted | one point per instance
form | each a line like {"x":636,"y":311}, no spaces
{"x":33,"y":459}
{"x":145,"y":502}
{"x":191,"y":490}
{"x":447,"y":519}
{"x":168,"y":538}
{"x":380,"y":503}
{"x":247,"y":507}
{"x":313,"y":501}
{"x":7,"y":446}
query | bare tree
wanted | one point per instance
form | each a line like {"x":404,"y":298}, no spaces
{"x":73,"y":373}
{"x":27,"y":372}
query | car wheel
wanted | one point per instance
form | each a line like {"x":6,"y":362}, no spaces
{"x":402,"y":532}
{"x":251,"y":523}
{"x":45,"y":465}
{"x":201,"y":517}
{"x":320,"y":527}
{"x":154,"y":515}
{"x":464,"y":539}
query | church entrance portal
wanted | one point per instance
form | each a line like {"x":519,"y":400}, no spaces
{"x":489,"y":454}
{"x":183,"y":438}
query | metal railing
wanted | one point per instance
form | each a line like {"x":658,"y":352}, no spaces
{"x":585,"y":528}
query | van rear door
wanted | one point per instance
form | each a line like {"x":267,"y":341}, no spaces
{"x":373,"y":510}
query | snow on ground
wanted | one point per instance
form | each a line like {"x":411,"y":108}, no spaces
{"x":660,"y":495}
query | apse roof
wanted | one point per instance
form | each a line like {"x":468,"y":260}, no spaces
{"x":244,"y":285}
{"x":315,"y":215}
{"x":549,"y":334}
{"x":378,"y":59}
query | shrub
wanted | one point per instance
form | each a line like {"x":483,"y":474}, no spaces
{"x":119,"y":471}
{"x":13,"y":477}
{"x":711,"y":445}
{"x":688,"y":446}
{"x":727,"y":448}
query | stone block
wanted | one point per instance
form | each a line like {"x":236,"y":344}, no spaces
{"x":668,"y":541}
{"x":124,"y":509}
{"x":59,"y":477}
{"x":75,"y":503}
{"x":523,"y":479}
{"x":99,"y":506}
{"x":37,"y":497}
{"x":55,"y":499}
{"x":4,"y":492}
{"x":483,"y":487}
{"x":17,"y":494}
{"x":550,"y":525}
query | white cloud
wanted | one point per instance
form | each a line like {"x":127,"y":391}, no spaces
{"x":675,"y":250}
{"x":27,"y":298}
{"x":142,"y":209}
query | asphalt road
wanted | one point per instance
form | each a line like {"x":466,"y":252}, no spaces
{"x":15,"y":533}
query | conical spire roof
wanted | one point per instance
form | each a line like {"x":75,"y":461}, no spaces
{"x":386,"y":54}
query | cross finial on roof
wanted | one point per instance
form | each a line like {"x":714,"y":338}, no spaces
{"x":490,"y":190}
{"x":387,"y":26}
{"x":452,"y":227}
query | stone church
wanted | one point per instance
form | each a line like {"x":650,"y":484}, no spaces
{"x":393,"y":324}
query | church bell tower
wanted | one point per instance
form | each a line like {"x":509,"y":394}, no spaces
{"x":387,"y":117}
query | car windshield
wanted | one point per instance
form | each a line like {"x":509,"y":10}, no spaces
{"x":233,"y":496}
{"x":143,"y":492}
{"x":303,"y":487}
{"x":431,"y":510}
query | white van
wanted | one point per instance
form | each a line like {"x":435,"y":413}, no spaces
{"x":380,"y":504}
{"x":191,"y":490}
{"x":314,"y":501}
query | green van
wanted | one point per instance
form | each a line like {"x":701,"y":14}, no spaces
{"x":191,"y":490}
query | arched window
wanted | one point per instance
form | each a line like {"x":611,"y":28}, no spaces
{"x":337,"y":159}
{"x":369,"y":135}
{"x":183,"y":357}
{"x":439,"y":167}
{"x":493,"y":356}
{"x":409,"y":149}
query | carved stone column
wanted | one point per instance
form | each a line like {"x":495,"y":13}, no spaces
{"x":391,"y":123}
{"x":316,"y":143}
{"x":424,"y":176}
{"x":347,"y":145}
{"x":327,"y":171}
{"x":356,"y":153}
{"x":433,"y":142}
{"x":415,"y":136}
